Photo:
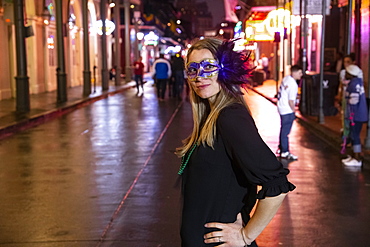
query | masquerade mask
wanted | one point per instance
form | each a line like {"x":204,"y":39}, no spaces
{"x":206,"y":68}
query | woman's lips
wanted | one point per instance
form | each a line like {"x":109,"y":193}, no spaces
{"x":202,"y":86}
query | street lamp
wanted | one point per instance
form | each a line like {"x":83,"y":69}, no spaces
{"x":112,"y":4}
{"x":46,"y":16}
{"x":137,"y":20}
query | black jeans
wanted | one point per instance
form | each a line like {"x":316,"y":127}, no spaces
{"x":161,"y":87}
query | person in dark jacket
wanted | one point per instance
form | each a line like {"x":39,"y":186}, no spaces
{"x":178,"y":75}
{"x":162,"y":73}
{"x":356,"y":113}
{"x":225,"y":159}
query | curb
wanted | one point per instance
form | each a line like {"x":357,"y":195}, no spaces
{"x":61,"y":109}
{"x":325,"y":134}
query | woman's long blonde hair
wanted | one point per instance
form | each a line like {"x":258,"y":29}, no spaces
{"x":204,"y":118}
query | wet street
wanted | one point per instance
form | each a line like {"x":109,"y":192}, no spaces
{"x":106,"y":175}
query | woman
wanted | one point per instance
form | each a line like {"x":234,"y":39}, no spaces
{"x":224,"y":159}
{"x":356,"y":113}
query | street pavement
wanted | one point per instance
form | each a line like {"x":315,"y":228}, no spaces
{"x":103,"y":173}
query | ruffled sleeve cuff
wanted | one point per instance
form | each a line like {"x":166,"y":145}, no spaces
{"x":275,"y":187}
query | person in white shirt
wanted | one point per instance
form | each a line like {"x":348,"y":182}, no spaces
{"x":287,"y":97}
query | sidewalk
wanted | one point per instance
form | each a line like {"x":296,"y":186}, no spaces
{"x":44,"y":106}
{"x":330,"y":131}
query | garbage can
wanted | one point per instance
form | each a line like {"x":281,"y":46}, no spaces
{"x":310,"y":98}
{"x":258,"y":77}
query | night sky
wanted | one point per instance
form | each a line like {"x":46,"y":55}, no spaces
{"x":216,"y":7}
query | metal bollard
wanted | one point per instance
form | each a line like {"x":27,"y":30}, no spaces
{"x":94,"y":77}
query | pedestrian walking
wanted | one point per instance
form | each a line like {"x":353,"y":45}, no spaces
{"x":178,"y":75}
{"x":265,"y":64}
{"x":224,"y":159}
{"x":356,"y":113}
{"x":162,"y":72}
{"x":139,"y":74}
{"x":112,"y":73}
{"x":287,"y":97}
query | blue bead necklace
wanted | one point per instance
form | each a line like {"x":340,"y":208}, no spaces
{"x":184,"y":161}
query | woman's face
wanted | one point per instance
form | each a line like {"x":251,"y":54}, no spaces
{"x":204,"y":83}
{"x":347,"y":61}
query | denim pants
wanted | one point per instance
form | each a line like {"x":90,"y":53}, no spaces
{"x":286,"y":126}
{"x":139,"y":78}
{"x":355,"y":131}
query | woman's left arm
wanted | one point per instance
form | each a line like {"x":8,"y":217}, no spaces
{"x":234,"y":235}
{"x":265,"y":211}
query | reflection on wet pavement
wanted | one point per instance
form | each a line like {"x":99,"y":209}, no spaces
{"x":106,"y":175}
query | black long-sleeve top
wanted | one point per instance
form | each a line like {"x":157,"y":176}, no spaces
{"x":221,"y":182}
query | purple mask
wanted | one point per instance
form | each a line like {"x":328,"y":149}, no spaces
{"x":206,"y":68}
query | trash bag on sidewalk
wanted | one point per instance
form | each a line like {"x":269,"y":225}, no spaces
{"x":259,"y":77}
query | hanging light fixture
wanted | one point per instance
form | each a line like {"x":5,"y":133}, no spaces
{"x":46,"y":16}
{"x":112,"y":4}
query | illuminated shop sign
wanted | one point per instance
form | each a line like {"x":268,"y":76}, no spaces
{"x":151,"y":39}
{"x":264,"y":30}
{"x":109,"y":27}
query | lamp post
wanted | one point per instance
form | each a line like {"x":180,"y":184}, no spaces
{"x":21,"y":79}
{"x":86,"y":72}
{"x":117,"y":43}
{"x":61,"y":70}
{"x":104,"y":70}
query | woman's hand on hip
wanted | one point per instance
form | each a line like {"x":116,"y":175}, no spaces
{"x":229,"y":235}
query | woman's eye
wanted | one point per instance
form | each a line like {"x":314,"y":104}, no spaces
{"x":209,"y":67}
{"x":192,"y":70}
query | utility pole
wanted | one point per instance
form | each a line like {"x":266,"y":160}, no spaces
{"x":303,"y":98}
{"x":349,"y":27}
{"x":21,"y":79}
{"x":136,"y":44}
{"x":277,"y":57}
{"x":367,"y":139}
{"x":126,"y":5}
{"x":305,"y":37}
{"x":321,"y":118}
{"x":86,"y":72}
{"x":61,"y":70}
{"x":104,"y":70}
{"x":117,"y":43}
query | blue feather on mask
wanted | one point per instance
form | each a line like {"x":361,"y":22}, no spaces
{"x":236,"y":68}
